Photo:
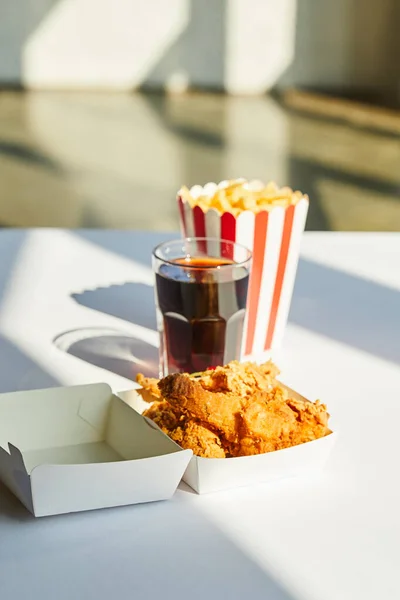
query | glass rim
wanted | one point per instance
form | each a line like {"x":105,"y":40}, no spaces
{"x":204,"y":239}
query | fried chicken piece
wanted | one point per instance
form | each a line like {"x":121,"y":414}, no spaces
{"x":312,"y":420}
{"x":149,"y":388}
{"x":185,"y":432}
{"x":235,"y":377}
{"x":242,"y":379}
{"x":222,"y":410}
{"x":265,"y":425}
{"x":236,"y":410}
{"x":276,"y":424}
{"x":194,"y":436}
{"x":163,"y":415}
{"x":219,"y":410}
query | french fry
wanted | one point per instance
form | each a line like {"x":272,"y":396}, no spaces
{"x":238,"y":195}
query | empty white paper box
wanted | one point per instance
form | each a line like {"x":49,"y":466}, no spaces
{"x":80,"y":448}
{"x":215,"y":474}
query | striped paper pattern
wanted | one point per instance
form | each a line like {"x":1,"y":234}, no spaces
{"x":274,"y":237}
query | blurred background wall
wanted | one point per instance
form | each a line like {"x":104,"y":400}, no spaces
{"x":108,"y":106}
{"x":241,"y":46}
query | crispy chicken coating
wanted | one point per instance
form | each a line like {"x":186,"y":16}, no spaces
{"x":149,"y":388}
{"x":200,"y":439}
{"x":163,"y":415}
{"x":236,"y":410}
{"x":242,"y":379}
{"x":185,"y":432}
{"x":218,"y":409}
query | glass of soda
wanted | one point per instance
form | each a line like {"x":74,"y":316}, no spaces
{"x":201,"y":293}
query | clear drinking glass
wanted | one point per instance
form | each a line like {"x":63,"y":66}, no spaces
{"x":201,"y":293}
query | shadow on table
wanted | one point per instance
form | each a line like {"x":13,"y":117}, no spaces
{"x":11,"y":508}
{"x":164,"y":549}
{"x":118,"y":352}
{"x":350,"y":309}
{"x":132,"y":301}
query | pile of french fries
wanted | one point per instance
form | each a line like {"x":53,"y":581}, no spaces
{"x":238,"y":195}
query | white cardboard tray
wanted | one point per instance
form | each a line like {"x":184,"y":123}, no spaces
{"x":215,"y":474}
{"x":81,"y":448}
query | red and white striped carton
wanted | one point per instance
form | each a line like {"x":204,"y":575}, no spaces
{"x":274,"y":237}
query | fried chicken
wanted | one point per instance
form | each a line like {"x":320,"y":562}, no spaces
{"x":264,"y":424}
{"x":200,"y":439}
{"x":312,"y":420}
{"x":276,"y":424}
{"x":185,"y":432}
{"x":218,"y":409}
{"x":149,"y":388}
{"x":242,"y":379}
{"x":236,"y":410}
{"x":163,"y":415}
{"x":222,"y":410}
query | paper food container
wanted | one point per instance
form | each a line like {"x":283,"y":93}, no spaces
{"x":80,"y":448}
{"x":274,"y":237}
{"x":215,"y":474}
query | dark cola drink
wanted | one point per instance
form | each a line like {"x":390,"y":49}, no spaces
{"x":200,"y":309}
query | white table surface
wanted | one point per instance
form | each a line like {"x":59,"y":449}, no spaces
{"x":334,"y":536}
